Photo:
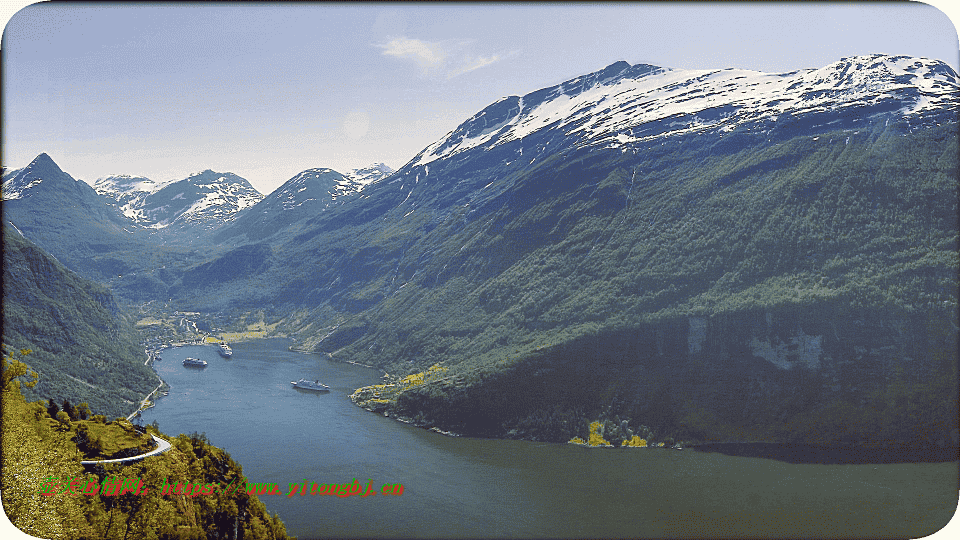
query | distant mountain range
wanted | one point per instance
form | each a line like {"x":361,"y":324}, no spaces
{"x":122,"y":213}
{"x":209,"y":199}
{"x":302,"y":197}
{"x":712,"y":254}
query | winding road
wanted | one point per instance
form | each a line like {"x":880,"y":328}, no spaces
{"x":162,"y":446}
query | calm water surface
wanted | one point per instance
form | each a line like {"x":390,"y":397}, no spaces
{"x":462,"y":487}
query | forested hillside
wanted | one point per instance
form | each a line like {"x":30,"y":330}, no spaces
{"x":820,"y":270}
{"x":84,"y":347}
{"x":39,"y":450}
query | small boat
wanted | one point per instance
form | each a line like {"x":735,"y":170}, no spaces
{"x":316,"y":386}
{"x":194,"y":362}
{"x":225,"y":350}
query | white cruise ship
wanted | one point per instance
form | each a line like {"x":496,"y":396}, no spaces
{"x":316,"y":386}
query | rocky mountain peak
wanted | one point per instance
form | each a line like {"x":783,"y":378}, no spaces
{"x":42,"y":170}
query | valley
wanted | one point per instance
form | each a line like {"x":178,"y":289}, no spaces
{"x":637,"y":253}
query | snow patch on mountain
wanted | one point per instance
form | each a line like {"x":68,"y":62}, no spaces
{"x":128,"y":192}
{"x":10,"y":189}
{"x":623,"y":104}
{"x":206,"y":198}
{"x":369,"y":174}
{"x":18,"y":183}
{"x":125,"y":183}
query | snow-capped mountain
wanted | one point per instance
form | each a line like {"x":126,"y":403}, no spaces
{"x":206,"y":199}
{"x":128,"y":192}
{"x":369,"y":174}
{"x":304,"y":196}
{"x":66,"y":217}
{"x":734,"y":230}
{"x":41,"y":175}
{"x":533,"y":168}
{"x":315,"y":187}
{"x":624,"y":104}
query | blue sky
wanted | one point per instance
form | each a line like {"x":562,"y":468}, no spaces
{"x":266,"y":91}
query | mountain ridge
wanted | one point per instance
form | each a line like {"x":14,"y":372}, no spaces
{"x":716,"y":254}
{"x":205,"y":200}
{"x":659,"y":89}
{"x":504,"y":268}
{"x":300,"y":198}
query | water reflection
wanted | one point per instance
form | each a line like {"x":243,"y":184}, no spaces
{"x":464,"y":487}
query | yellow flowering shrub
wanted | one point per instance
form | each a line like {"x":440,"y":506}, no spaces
{"x":412,"y":380}
{"x":636,"y":442}
{"x":577,"y":440}
{"x":417,"y":379}
{"x":595,"y":438}
{"x":387,"y":393}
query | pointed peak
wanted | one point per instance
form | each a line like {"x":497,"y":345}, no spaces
{"x":379,"y":166}
{"x":617,"y":66}
{"x":44,"y":166}
{"x":43,"y":159}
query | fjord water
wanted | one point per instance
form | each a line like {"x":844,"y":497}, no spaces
{"x":462,"y":487}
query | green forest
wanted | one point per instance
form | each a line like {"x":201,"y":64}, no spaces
{"x":39,"y":447}
{"x":547,"y":309}
{"x":84,"y":345}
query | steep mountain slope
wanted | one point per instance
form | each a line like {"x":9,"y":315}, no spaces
{"x":769,"y":258}
{"x":66,"y":217}
{"x":83,"y":348}
{"x":202,"y":201}
{"x":298,"y":199}
{"x":128,"y":192}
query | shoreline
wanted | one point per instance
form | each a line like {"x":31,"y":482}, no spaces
{"x":784,"y":452}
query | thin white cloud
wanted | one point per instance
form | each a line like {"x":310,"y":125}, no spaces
{"x":428,"y":55}
{"x":440,"y":57}
{"x":478,"y":63}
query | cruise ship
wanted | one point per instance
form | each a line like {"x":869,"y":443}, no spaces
{"x":316,"y":386}
{"x":194,"y":362}
{"x":225,"y":350}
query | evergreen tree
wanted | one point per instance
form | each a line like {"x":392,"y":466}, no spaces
{"x":52,"y":408}
{"x":70,"y":410}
